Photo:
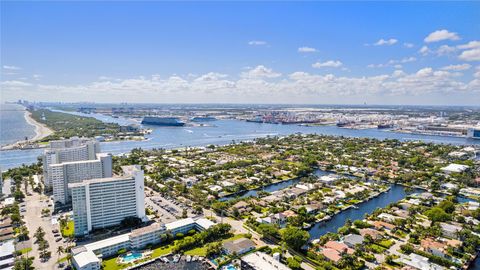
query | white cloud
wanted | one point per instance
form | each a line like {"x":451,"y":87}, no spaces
{"x":424,"y":50}
{"x":388,"y":42}
{"x":459,"y":67}
{"x":440,"y":35}
{"x":253,"y":85}
{"x":395,"y":63}
{"x":257,"y":43}
{"x":15,"y":84}
{"x":470,"y":55}
{"x":330,"y":63}
{"x":408,"y":45}
{"x":11,"y":67}
{"x":260,"y":72}
{"x":470,"y":45}
{"x":445,"y":50}
{"x":37,"y":76}
{"x":306,"y":50}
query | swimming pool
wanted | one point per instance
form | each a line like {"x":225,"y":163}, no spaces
{"x":132,"y":257}
{"x":229,"y":267}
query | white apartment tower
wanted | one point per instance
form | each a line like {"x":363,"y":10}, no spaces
{"x":73,"y":149}
{"x":64,"y":173}
{"x":105,"y":202}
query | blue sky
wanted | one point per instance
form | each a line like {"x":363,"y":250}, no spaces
{"x":310,"y":52}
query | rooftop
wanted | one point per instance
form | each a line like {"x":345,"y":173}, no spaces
{"x":7,"y":248}
{"x":179,"y":223}
{"x":107,"y":242}
{"x":262,"y":261}
{"x":85,"y":258}
{"x":455,"y":168}
{"x":238,"y":245}
{"x":151,"y":228}
{"x":100,"y":180}
{"x":204,"y":223}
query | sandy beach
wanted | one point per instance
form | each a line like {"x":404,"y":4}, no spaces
{"x":41,"y":131}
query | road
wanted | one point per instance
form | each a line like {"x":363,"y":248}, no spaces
{"x":34,"y":204}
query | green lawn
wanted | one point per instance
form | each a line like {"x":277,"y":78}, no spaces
{"x":25,"y":250}
{"x":69,"y":229}
{"x":62,"y":259}
{"x":386,"y":243}
{"x":202,"y":251}
{"x":162,"y":250}
{"x":111,"y":264}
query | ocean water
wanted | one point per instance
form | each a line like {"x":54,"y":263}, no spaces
{"x":222,"y":132}
{"x":13,"y":126}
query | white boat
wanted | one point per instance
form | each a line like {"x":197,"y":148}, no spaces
{"x":165,"y":259}
{"x":188,"y":258}
{"x":176,"y":258}
{"x":195,"y":258}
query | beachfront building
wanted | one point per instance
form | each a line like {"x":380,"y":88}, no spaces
{"x":73,"y":149}
{"x":64,"y":173}
{"x":105,"y":202}
{"x":89,"y":254}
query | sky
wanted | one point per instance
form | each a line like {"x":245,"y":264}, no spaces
{"x":241,"y":52}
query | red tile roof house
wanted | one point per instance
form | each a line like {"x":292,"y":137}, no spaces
{"x":439,"y":248}
{"x":340,"y":247}
{"x":431,"y":246}
{"x":331,"y":254}
{"x":380,"y":224}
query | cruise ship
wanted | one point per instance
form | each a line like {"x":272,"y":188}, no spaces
{"x":203,"y":118}
{"x":162,"y":121}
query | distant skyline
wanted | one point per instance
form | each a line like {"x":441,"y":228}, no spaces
{"x":241,"y":52}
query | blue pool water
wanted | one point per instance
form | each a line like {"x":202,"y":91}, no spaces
{"x":230,"y":267}
{"x":132,"y":257}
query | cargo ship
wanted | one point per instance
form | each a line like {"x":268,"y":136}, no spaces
{"x":162,"y":121}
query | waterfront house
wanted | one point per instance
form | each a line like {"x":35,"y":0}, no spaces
{"x":241,"y":206}
{"x":352,"y":240}
{"x":450,"y":230}
{"x":388,"y":217}
{"x":383,"y":225}
{"x":454,"y":168}
{"x":431,"y":246}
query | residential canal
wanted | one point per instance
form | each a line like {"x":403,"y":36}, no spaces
{"x":269,"y":188}
{"x":395,"y":194}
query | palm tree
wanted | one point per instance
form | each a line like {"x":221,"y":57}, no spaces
{"x":60,"y":250}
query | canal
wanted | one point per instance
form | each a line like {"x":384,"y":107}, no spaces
{"x":395,"y":194}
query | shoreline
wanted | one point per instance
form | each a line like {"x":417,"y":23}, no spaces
{"x":41,"y":131}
